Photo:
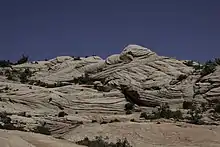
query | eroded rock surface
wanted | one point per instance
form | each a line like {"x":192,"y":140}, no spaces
{"x":91,"y":92}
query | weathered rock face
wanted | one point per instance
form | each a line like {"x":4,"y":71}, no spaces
{"x":208,"y":87}
{"x":155,"y":79}
{"x":96,"y":90}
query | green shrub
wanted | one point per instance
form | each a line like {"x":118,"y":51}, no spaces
{"x":187,"y":104}
{"x":198,"y":67}
{"x":195,"y":115}
{"x":25,"y":75}
{"x":177,"y":114}
{"x":163,"y":112}
{"x":217,"y":61}
{"x":150,"y":116}
{"x":204,"y":106}
{"x":100,"y":142}
{"x":4,"y":63}
{"x":23,"y":59}
{"x":17,"y":75}
{"x":208,"y":68}
{"x":181,"y":77}
{"x":189,"y":63}
{"x":143,"y":115}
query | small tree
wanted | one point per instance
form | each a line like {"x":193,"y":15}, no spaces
{"x":23,"y":59}
{"x":217,"y":61}
{"x":189,"y":63}
{"x":208,"y":68}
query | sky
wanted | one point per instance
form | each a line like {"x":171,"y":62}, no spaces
{"x":185,"y":29}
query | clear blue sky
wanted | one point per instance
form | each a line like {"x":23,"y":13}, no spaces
{"x":186,"y":29}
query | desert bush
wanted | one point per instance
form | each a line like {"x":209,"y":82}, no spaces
{"x":25,"y":75}
{"x":77,"y":58}
{"x":100,"y":142}
{"x":198,"y":67}
{"x":181,"y":77}
{"x":217,"y":61}
{"x":4,"y":63}
{"x":94,"y":121}
{"x":189,"y":63}
{"x":7,"y":124}
{"x":187,"y":104}
{"x":129,"y":106}
{"x":143,"y":115}
{"x":195,"y":115}
{"x":204,"y":106}
{"x":155,"y":88}
{"x":103,"y":122}
{"x":114,"y":120}
{"x":163,"y":112}
{"x":10,"y":76}
{"x":151,"y":116}
{"x":128,"y":112}
{"x":84,"y":79}
{"x":16,"y":75}
{"x":23,"y":59}
{"x":217,"y":108}
{"x":208,"y":68}
{"x":4,"y":118}
{"x":42,"y":130}
{"x":62,"y":114}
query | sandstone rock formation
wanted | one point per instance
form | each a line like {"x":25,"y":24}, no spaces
{"x":96,"y":90}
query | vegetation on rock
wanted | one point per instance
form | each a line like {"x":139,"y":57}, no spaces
{"x":217,"y":107}
{"x":208,"y":67}
{"x":100,"y":142}
{"x":195,"y":115}
{"x":4,"y":63}
{"x":129,"y":106}
{"x":181,"y":77}
{"x":23,"y":59}
{"x":187,"y":104}
{"x":42,"y":130}
{"x":163,"y":112}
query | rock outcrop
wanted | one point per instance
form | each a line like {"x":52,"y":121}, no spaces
{"x":92,"y":89}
